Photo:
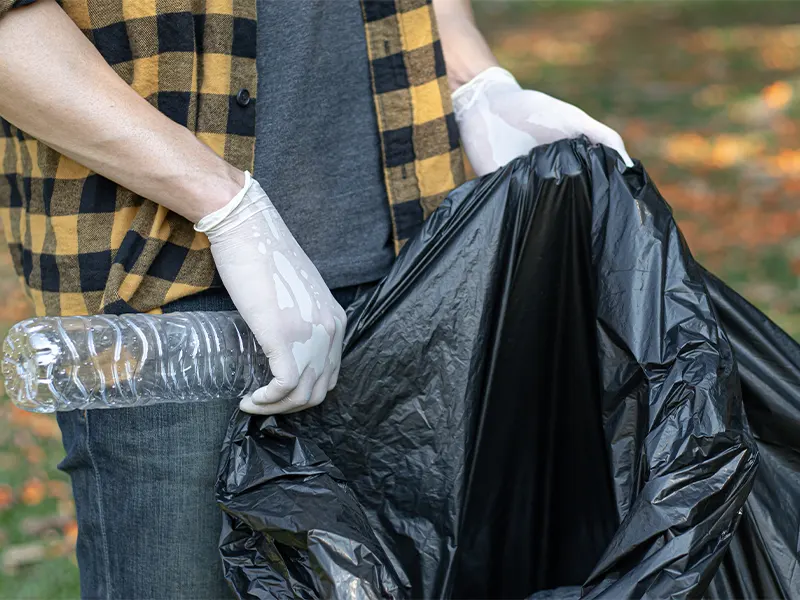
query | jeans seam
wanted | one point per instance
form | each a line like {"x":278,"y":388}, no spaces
{"x":98,"y":486}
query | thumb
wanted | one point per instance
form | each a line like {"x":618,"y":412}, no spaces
{"x":285,"y":378}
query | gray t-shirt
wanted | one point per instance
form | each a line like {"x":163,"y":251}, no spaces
{"x":317,"y":146}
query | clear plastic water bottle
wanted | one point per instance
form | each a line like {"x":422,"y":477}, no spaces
{"x":67,"y":363}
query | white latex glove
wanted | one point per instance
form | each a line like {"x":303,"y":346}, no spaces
{"x":499,"y":121}
{"x":282,"y":297}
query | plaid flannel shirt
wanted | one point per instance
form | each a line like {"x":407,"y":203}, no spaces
{"x":84,"y":245}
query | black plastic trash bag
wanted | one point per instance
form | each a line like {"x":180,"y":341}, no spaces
{"x":538,"y":400}
{"x":764,"y":558}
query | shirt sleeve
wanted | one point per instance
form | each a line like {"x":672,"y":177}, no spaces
{"x":7,"y":5}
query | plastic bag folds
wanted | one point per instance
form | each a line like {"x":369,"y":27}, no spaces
{"x":546,"y":397}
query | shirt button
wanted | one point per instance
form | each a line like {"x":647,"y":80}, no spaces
{"x":243,"y":97}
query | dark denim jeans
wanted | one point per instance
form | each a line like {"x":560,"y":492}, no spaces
{"x":143,"y":480}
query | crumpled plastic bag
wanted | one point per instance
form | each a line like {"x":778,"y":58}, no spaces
{"x":763,"y":560}
{"x":539,"y":400}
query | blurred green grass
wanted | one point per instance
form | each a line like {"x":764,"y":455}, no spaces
{"x":35,"y":495}
{"x":706,"y":94}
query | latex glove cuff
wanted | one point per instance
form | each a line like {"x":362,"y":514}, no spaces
{"x":211,"y":221}
{"x":465,"y":96}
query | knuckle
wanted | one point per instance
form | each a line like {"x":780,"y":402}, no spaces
{"x":316,"y":399}
{"x":296,"y":402}
{"x":329,"y":324}
{"x":303,"y":393}
{"x":289,"y":382}
{"x":287,"y":404}
{"x":296,"y":408}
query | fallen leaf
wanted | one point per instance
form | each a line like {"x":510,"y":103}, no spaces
{"x":720,"y":152}
{"x":34,"y":455}
{"x":785,"y":163}
{"x":33,"y":492}
{"x":635,"y":131}
{"x":43,"y":426}
{"x":686,"y":148}
{"x":779,"y":57}
{"x":729,"y":150}
{"x":70,"y":530}
{"x":59,"y":490}
{"x":777,"y":95}
{"x":550,"y":49}
{"x":6,"y":496}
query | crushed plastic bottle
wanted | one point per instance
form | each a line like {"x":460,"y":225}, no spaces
{"x":67,"y":363}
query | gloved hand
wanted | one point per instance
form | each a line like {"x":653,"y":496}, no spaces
{"x":282,"y":297}
{"x":499,"y":121}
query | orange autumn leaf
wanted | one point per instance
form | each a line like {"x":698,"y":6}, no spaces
{"x":59,"y":490}
{"x":43,"y":426}
{"x":721,"y":152}
{"x":791,"y":186}
{"x":34,"y":455}
{"x":779,"y":56}
{"x":725,"y":152}
{"x":729,"y":150}
{"x":636,"y":130}
{"x":785,"y":163}
{"x":71,"y":532}
{"x":549,"y":49}
{"x":6,"y":496}
{"x":777,"y":95}
{"x":686,"y":148}
{"x":33,"y":492}
{"x":784,"y":128}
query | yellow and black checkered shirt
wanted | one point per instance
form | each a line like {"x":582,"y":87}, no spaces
{"x":84,"y":245}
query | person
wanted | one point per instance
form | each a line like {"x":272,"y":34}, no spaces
{"x":129,"y":132}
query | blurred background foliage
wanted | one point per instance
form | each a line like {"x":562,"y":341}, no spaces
{"x":705,"y":93}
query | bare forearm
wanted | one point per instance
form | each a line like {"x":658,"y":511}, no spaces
{"x":466,"y":52}
{"x":57,"y":88}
